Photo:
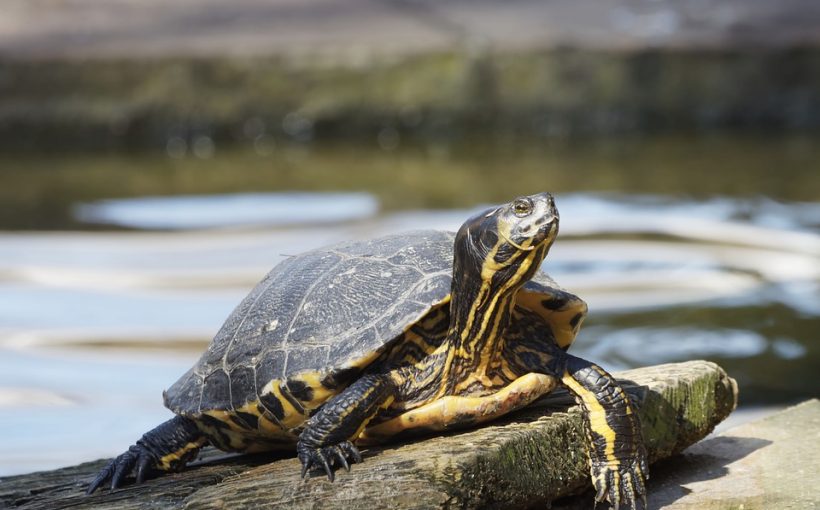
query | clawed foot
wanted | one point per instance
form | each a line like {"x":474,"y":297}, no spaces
{"x":117,"y":469}
{"x":623,"y":486}
{"x":328,"y":457}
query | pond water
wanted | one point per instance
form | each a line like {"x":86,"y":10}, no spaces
{"x":115,"y":270}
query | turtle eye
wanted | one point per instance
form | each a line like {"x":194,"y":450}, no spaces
{"x":522,"y":206}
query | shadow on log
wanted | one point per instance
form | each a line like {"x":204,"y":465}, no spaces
{"x":529,"y":458}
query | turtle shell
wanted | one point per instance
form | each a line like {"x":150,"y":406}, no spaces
{"x":328,"y":312}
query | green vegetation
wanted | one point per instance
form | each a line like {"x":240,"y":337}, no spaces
{"x":101,"y":103}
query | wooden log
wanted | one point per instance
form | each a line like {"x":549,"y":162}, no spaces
{"x":529,"y":458}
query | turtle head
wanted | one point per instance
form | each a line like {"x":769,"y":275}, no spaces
{"x":528,"y":223}
{"x":508,"y":242}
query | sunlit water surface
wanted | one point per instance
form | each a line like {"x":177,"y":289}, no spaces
{"x":95,"y":324}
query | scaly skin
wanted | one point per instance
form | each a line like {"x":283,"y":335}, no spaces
{"x":167,"y":447}
{"x":615,"y":446}
{"x":328,"y":434}
{"x":490,"y":352}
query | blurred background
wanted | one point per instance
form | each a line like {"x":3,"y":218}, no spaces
{"x":157,"y":159}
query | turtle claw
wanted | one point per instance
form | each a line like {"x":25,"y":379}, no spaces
{"x":101,"y":477}
{"x":326,"y":457}
{"x":340,"y":457}
{"x":143,"y":467}
{"x":117,"y":469}
{"x":350,"y":449}
{"x":622,"y":486}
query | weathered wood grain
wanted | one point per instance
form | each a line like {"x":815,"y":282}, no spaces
{"x":527,"y":459}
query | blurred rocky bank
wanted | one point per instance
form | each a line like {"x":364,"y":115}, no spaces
{"x":89,"y":74}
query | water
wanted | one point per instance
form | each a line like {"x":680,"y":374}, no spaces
{"x":109,"y":291}
{"x":235,"y":210}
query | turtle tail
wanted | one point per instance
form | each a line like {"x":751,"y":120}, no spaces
{"x":167,"y":447}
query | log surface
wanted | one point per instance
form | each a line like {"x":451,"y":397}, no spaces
{"x":529,"y":458}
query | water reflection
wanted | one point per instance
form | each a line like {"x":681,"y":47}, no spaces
{"x":94,"y":325}
{"x":636,"y":346}
{"x":78,"y":405}
{"x":241,"y":209}
{"x":760,"y":222}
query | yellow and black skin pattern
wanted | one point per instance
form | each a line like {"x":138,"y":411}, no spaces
{"x":615,"y":445}
{"x":485,"y":350}
{"x":466,"y":377}
{"x":167,"y":447}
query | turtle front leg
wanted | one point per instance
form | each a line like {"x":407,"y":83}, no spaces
{"x":167,"y":447}
{"x":329,"y":434}
{"x":616,"y":450}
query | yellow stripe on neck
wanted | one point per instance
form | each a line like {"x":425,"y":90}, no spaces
{"x":489,"y":268}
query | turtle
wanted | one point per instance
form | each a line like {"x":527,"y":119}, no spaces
{"x":412,"y":333}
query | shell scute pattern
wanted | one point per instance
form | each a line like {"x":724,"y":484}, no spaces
{"x":307,"y":358}
{"x":360,"y":292}
{"x":185,"y":391}
{"x":433,"y":289}
{"x":269,"y":367}
{"x":433,"y":253}
{"x":400,"y":315}
{"x":281,"y":299}
{"x":241,"y":353}
{"x":242,"y":386}
{"x":309,"y":314}
{"x":394,"y":245}
{"x":216,"y":391}
{"x":317,"y":320}
{"x":351,"y":349}
{"x":220,"y":344}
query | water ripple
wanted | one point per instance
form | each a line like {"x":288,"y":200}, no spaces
{"x":242,"y":209}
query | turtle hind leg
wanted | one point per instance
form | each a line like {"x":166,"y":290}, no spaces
{"x":167,"y":447}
